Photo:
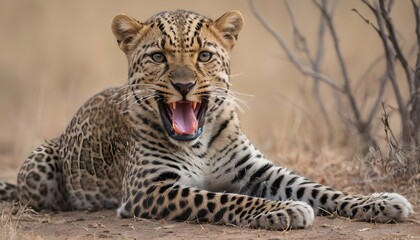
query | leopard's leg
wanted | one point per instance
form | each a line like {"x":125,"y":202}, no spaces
{"x":40,"y":180}
{"x":169,"y":200}
{"x":259,"y":177}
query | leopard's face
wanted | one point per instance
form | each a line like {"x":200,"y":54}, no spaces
{"x":178,"y":66}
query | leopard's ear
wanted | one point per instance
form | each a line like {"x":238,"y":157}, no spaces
{"x":229,"y":25}
{"x":125,"y":29}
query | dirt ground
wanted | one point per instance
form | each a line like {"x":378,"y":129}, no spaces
{"x":105,"y":225}
{"x":56,"y":54}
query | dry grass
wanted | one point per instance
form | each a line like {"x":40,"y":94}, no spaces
{"x":10,"y":218}
{"x":393,"y":167}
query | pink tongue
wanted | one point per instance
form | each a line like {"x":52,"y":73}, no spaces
{"x":183,"y":118}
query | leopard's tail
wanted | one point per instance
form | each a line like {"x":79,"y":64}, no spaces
{"x":8,"y":191}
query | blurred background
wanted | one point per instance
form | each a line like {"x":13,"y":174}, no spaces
{"x":54,"y":55}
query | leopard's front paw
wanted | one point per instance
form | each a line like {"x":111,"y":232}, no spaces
{"x":293,"y":215}
{"x":383,"y":207}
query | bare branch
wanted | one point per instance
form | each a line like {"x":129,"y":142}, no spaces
{"x":302,"y":68}
{"x":321,"y":46}
{"x":415,"y":96}
{"x":373,"y":9}
{"x":347,"y":87}
{"x":389,"y":53}
{"x":382,"y":84}
{"x":389,"y":5}
{"x":384,"y":77}
{"x":300,"y":40}
{"x":365,"y":19}
{"x":315,"y":62}
{"x":378,"y":100}
{"x":368,"y":70}
{"x":392,"y":37}
{"x":417,"y":15}
{"x":412,"y":50}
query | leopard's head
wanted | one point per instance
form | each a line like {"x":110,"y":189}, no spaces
{"x":179,"y":65}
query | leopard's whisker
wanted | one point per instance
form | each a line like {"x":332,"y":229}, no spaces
{"x":233,"y":98}
{"x":139,"y":100}
{"x":117,"y":93}
{"x":235,"y":75}
{"x":133,"y":95}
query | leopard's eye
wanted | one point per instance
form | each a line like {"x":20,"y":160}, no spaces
{"x":158,"y":57}
{"x":204,"y":56}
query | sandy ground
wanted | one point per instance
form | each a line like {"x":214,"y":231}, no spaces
{"x":105,"y":225}
{"x":56,"y":54}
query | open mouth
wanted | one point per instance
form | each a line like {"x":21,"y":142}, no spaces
{"x":183,"y":120}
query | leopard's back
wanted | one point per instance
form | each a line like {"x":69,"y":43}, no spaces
{"x":83,"y":168}
{"x":92,"y":151}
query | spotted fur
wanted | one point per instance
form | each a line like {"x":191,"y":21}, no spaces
{"x":120,"y":150}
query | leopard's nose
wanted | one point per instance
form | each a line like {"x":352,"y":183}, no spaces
{"x":183,"y":88}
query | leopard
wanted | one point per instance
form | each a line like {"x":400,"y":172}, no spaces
{"x":168,"y":144}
